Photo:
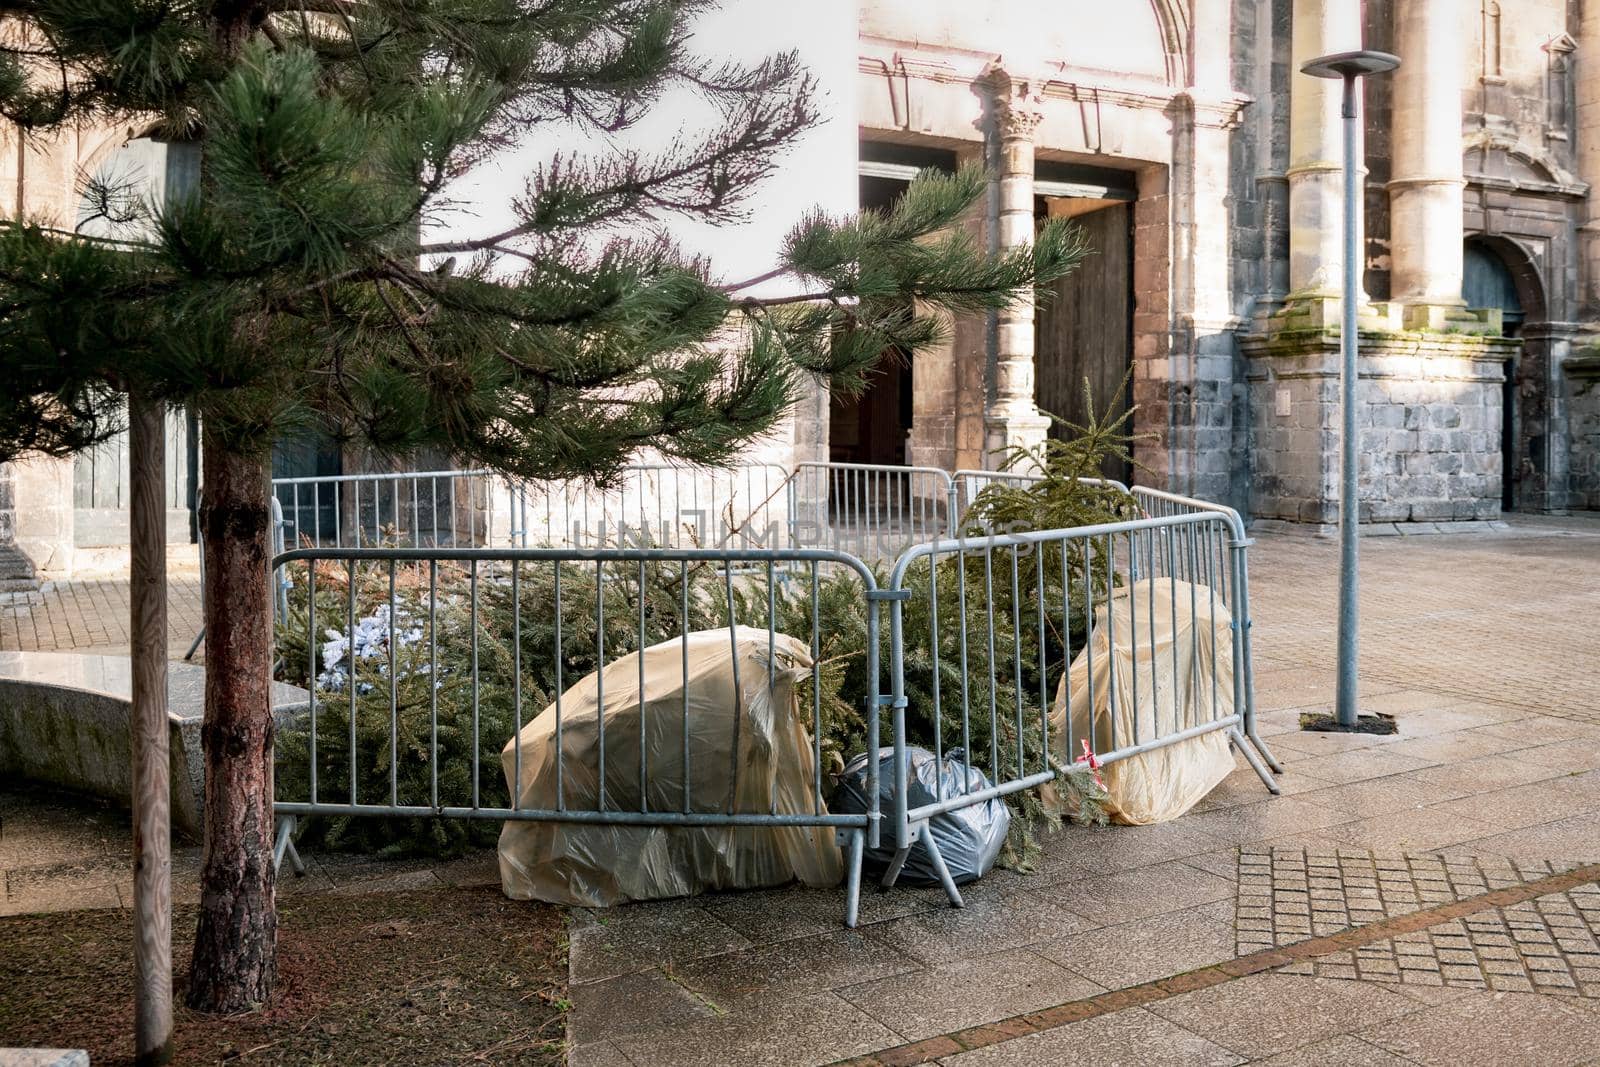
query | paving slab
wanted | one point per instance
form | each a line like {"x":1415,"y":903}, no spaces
{"x":1148,"y":948}
{"x":612,"y":941}
{"x":1151,"y":890}
{"x":1489,"y":1029}
{"x":1344,"y":1051}
{"x":962,"y":993}
{"x":1132,"y":1038}
{"x":630,"y":1004}
{"x":1264,"y":1015}
{"x":812,"y":964}
{"x":814,"y":1029}
{"x":988,"y":923}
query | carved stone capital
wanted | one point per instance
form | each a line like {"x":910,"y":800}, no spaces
{"x":1018,"y":117}
{"x":1017,"y":105}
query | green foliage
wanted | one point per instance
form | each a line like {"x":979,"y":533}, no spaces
{"x":979,"y":680}
{"x":292,"y":288}
{"x":512,"y":613}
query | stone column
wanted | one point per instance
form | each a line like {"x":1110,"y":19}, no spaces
{"x":1588,"y":152}
{"x":1425,"y":191}
{"x":43,"y":530}
{"x":1316,"y":149}
{"x":1193,"y":398}
{"x":1012,"y":417}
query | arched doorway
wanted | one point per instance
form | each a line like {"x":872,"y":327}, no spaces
{"x":1497,"y":274}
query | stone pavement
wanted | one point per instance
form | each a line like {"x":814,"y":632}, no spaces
{"x":1412,"y":899}
{"x":1402,"y":902}
{"x":93,"y":614}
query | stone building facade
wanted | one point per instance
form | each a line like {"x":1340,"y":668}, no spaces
{"x":1205,"y":170}
{"x":1478,"y":391}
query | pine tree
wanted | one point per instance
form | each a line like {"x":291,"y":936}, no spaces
{"x":289,"y":291}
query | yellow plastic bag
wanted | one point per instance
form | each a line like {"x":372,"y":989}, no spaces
{"x":1176,"y":640}
{"x":748,"y":752}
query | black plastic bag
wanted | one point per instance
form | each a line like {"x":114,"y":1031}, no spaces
{"x":969,"y":838}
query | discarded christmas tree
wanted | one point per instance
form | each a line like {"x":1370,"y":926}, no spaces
{"x":289,"y":291}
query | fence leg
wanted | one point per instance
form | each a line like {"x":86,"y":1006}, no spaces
{"x":854,"y":841}
{"x":1266,"y":753}
{"x":1242,"y":584}
{"x":284,"y":846}
{"x":949,"y":883}
{"x":1240,"y":743}
{"x":892,"y":875}
{"x":201,"y":636}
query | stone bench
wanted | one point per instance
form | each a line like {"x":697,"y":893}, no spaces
{"x":64,"y":720}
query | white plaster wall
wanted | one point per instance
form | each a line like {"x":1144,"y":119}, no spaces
{"x":819,"y":169}
{"x":1124,"y":36}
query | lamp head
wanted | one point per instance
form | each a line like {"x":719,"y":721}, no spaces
{"x":1339,"y":65}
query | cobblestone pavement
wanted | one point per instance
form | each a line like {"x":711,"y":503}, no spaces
{"x":1546,"y":945}
{"x":93,"y":614}
{"x":1408,"y":899}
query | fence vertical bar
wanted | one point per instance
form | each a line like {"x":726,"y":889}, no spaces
{"x":311,"y":668}
{"x":561,"y":794}
{"x":644,"y":757}
{"x":350,"y":654}
{"x":1044,"y":661}
{"x":683,"y":585}
{"x":516,"y":680}
{"x":600,"y":677}
{"x":1016,"y":649}
{"x":476,"y":755}
{"x":433,"y":679}
{"x":966,"y":690}
{"x":394,"y":696}
{"x":816,"y":695}
{"x":991,"y":666}
{"x":933,"y":640}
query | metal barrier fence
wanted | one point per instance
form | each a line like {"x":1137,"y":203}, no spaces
{"x":397,"y":617}
{"x":671,"y":506}
{"x":1236,"y":581}
{"x":869,"y":510}
{"x":1020,"y":615}
{"x":658,"y":505}
{"x":1012,"y":618}
{"x":969,"y":483}
{"x":411,"y":509}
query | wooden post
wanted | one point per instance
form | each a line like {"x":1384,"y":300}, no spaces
{"x":152,"y":838}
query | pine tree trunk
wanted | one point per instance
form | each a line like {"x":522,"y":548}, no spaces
{"x":235,"y":946}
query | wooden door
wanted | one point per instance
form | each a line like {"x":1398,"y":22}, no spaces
{"x":1085,"y":328}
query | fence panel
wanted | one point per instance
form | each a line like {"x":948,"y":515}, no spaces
{"x":969,"y":483}
{"x":1011,"y":620}
{"x":868,"y":510}
{"x":1158,"y":502}
{"x":409,"y":509}
{"x":422,"y":663}
{"x":663,"y":505}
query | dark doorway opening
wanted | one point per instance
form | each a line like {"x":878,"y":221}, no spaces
{"x":1085,"y":327}
{"x":309,"y":507}
{"x":1487,"y":282}
{"x":872,"y":426}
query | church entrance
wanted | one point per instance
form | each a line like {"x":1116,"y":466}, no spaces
{"x":1487,"y":282}
{"x":1084,"y":330}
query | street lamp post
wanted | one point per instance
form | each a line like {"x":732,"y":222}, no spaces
{"x":1349,"y":66}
